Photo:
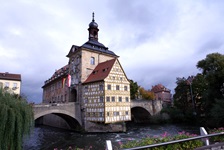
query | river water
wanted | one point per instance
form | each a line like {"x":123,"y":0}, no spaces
{"x":48,"y":138}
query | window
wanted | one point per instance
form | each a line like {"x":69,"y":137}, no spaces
{"x":120,"y":99}
{"x":77,"y":60}
{"x":125,"y":88}
{"x":126,"y":112}
{"x":117,"y":87}
{"x":101,"y":99}
{"x":101,"y":114}
{"x":108,"y":99}
{"x":86,"y":88}
{"x":108,"y":114}
{"x":127,"y":99}
{"x":6,"y":84}
{"x":108,"y":87}
{"x":113,"y":99}
{"x":116,"y":113}
{"x":92,"y":61}
{"x":101,"y":87}
{"x":105,"y":69}
{"x":15,"y":85}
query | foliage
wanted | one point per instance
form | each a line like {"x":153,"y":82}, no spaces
{"x":16,"y":117}
{"x":217,"y":138}
{"x":213,"y":70}
{"x":148,"y":95}
{"x":206,"y":89}
{"x":182,"y":96}
{"x":217,"y":112}
{"x":199,"y":88}
{"x":176,"y":115}
{"x":134,"y":89}
{"x":166,"y":138}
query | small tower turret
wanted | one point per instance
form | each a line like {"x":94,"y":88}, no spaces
{"x":93,"y":30}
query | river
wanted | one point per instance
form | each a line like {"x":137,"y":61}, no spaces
{"x":48,"y":138}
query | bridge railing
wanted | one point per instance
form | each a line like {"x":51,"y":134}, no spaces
{"x":109,"y":145}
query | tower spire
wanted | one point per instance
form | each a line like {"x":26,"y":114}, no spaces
{"x":93,"y":17}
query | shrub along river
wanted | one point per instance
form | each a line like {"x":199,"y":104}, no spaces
{"x":48,"y":138}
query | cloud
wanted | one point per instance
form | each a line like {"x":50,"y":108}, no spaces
{"x":157,"y":41}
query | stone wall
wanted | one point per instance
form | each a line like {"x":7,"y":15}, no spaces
{"x":100,"y":127}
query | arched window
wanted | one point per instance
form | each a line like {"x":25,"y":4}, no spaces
{"x":92,"y":61}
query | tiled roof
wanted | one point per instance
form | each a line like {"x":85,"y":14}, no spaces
{"x":97,"y":46}
{"x":93,"y":46}
{"x":159,"y":88}
{"x":10,"y":76}
{"x":62,"y":72}
{"x":101,"y":71}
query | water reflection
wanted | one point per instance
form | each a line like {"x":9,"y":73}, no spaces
{"x":47,"y":138}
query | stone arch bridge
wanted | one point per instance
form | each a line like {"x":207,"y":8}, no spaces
{"x":70,"y":112}
{"x":141,"y":111}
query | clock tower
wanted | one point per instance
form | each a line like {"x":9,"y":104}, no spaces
{"x":93,"y":30}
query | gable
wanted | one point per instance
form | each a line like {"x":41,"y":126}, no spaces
{"x":117,"y":73}
{"x":101,"y":71}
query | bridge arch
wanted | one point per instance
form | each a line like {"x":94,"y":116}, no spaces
{"x":58,"y":115}
{"x":140,"y":114}
{"x":68,"y":117}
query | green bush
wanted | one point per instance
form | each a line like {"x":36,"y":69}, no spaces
{"x":219,"y":138}
{"x":166,"y":138}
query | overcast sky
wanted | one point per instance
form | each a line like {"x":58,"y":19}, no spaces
{"x":157,"y":40}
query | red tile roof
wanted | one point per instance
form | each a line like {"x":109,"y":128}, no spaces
{"x":101,"y":71}
{"x":10,"y":76}
{"x":62,"y":72}
{"x":159,"y":88}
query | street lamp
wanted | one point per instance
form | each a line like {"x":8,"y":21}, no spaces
{"x":189,"y":80}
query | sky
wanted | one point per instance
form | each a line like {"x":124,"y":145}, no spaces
{"x":157,"y":40}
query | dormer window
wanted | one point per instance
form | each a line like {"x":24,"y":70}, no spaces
{"x":105,"y":69}
{"x":95,"y":71}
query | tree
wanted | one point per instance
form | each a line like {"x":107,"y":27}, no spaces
{"x":148,"y":95}
{"x":199,"y":88}
{"x":182,"y":97}
{"x":16,"y":119}
{"x":217,"y":112}
{"x":134,"y":89}
{"x":213,"y":70}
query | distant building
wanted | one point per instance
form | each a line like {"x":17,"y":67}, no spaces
{"x":162,"y":93}
{"x":10,"y":82}
{"x":93,"y":79}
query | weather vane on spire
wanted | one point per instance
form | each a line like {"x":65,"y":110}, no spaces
{"x":93,"y":17}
